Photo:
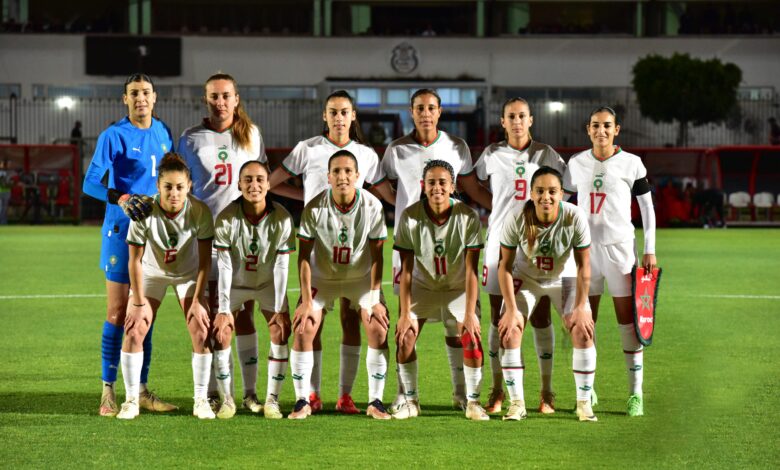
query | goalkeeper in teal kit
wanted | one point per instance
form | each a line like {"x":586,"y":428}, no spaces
{"x":123,"y":172}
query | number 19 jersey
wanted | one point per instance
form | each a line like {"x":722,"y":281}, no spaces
{"x":341,"y":235}
{"x":553,"y":243}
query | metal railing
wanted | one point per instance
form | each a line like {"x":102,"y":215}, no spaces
{"x":285,"y":122}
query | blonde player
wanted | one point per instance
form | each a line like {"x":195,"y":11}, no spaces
{"x":403,"y":162}
{"x":215,"y":150}
{"x":341,"y":234}
{"x":546,"y":231}
{"x":604,"y":179}
{"x":439,"y":240}
{"x":509,"y":165}
{"x":250,"y":234}
{"x":169,"y":248}
{"x":309,"y":159}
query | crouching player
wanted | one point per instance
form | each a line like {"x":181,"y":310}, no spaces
{"x":172,"y":247}
{"x":547,"y":230}
{"x":341,"y":235}
{"x":250,"y":235}
{"x":439,"y":240}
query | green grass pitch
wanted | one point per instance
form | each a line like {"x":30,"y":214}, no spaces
{"x":711,"y":378}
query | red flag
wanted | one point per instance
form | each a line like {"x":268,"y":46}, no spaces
{"x":645,"y":290}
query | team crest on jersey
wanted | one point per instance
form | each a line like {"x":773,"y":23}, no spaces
{"x":222,"y":154}
{"x":173,"y":240}
{"x":343,"y":235}
{"x":253,"y":246}
{"x":112,"y":260}
{"x":520,"y":168}
{"x":545,"y":247}
{"x":164,"y":148}
{"x":439,"y":248}
{"x":598,"y":181}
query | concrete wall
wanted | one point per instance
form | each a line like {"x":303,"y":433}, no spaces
{"x":517,"y":61}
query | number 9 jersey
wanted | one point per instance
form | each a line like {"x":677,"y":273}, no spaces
{"x":215,"y":160}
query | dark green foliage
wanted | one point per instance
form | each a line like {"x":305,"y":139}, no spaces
{"x":685,"y":89}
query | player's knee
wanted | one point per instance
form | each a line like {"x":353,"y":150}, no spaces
{"x":453,"y":341}
{"x":137,"y":333}
{"x":472,"y":349}
{"x":198,"y":332}
{"x":280,"y":333}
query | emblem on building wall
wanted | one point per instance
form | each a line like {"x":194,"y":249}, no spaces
{"x":405,"y":59}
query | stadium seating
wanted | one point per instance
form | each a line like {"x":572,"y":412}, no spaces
{"x":740,"y":207}
{"x":763,"y":204}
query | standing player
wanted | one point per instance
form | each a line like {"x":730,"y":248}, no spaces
{"x":509,"y":165}
{"x":123,"y":170}
{"x":403,"y":162}
{"x":546,"y":231}
{"x":171,"y":247}
{"x":604,"y":178}
{"x":250,"y":234}
{"x":215,"y":149}
{"x":439,"y":240}
{"x":309,"y":159}
{"x":341,"y":234}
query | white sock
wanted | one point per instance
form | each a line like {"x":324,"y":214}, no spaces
{"x":583,"y":363}
{"x":544,"y":342}
{"x":277,"y":368}
{"x":473,"y":376}
{"x":494,"y":345}
{"x":513,"y":368}
{"x":222,"y":358}
{"x":132,"y":363}
{"x":408,"y":373}
{"x":376,"y":364}
{"x":301,"y":363}
{"x":348,"y":367}
{"x":455,"y":358}
{"x":247,"y":360}
{"x":201,"y":370}
{"x":634,"y":355}
{"x":316,"y":372}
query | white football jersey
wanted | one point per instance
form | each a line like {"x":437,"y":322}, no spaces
{"x":604,"y":192}
{"x":172,"y":242}
{"x":254,"y":245}
{"x":405,"y":159}
{"x":553,"y":243}
{"x":439,"y":249}
{"x":215,"y":160}
{"x":341,"y":239}
{"x":309,"y":159}
{"x":510,"y":171}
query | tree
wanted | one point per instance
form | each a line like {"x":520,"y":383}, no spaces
{"x":686,"y":90}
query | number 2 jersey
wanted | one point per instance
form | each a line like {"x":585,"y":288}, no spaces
{"x":603,"y":190}
{"x":253,"y":245}
{"x":439,"y":248}
{"x":215,"y":160}
{"x":341,"y":235}
{"x":171,"y":241}
{"x":553,"y":243}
